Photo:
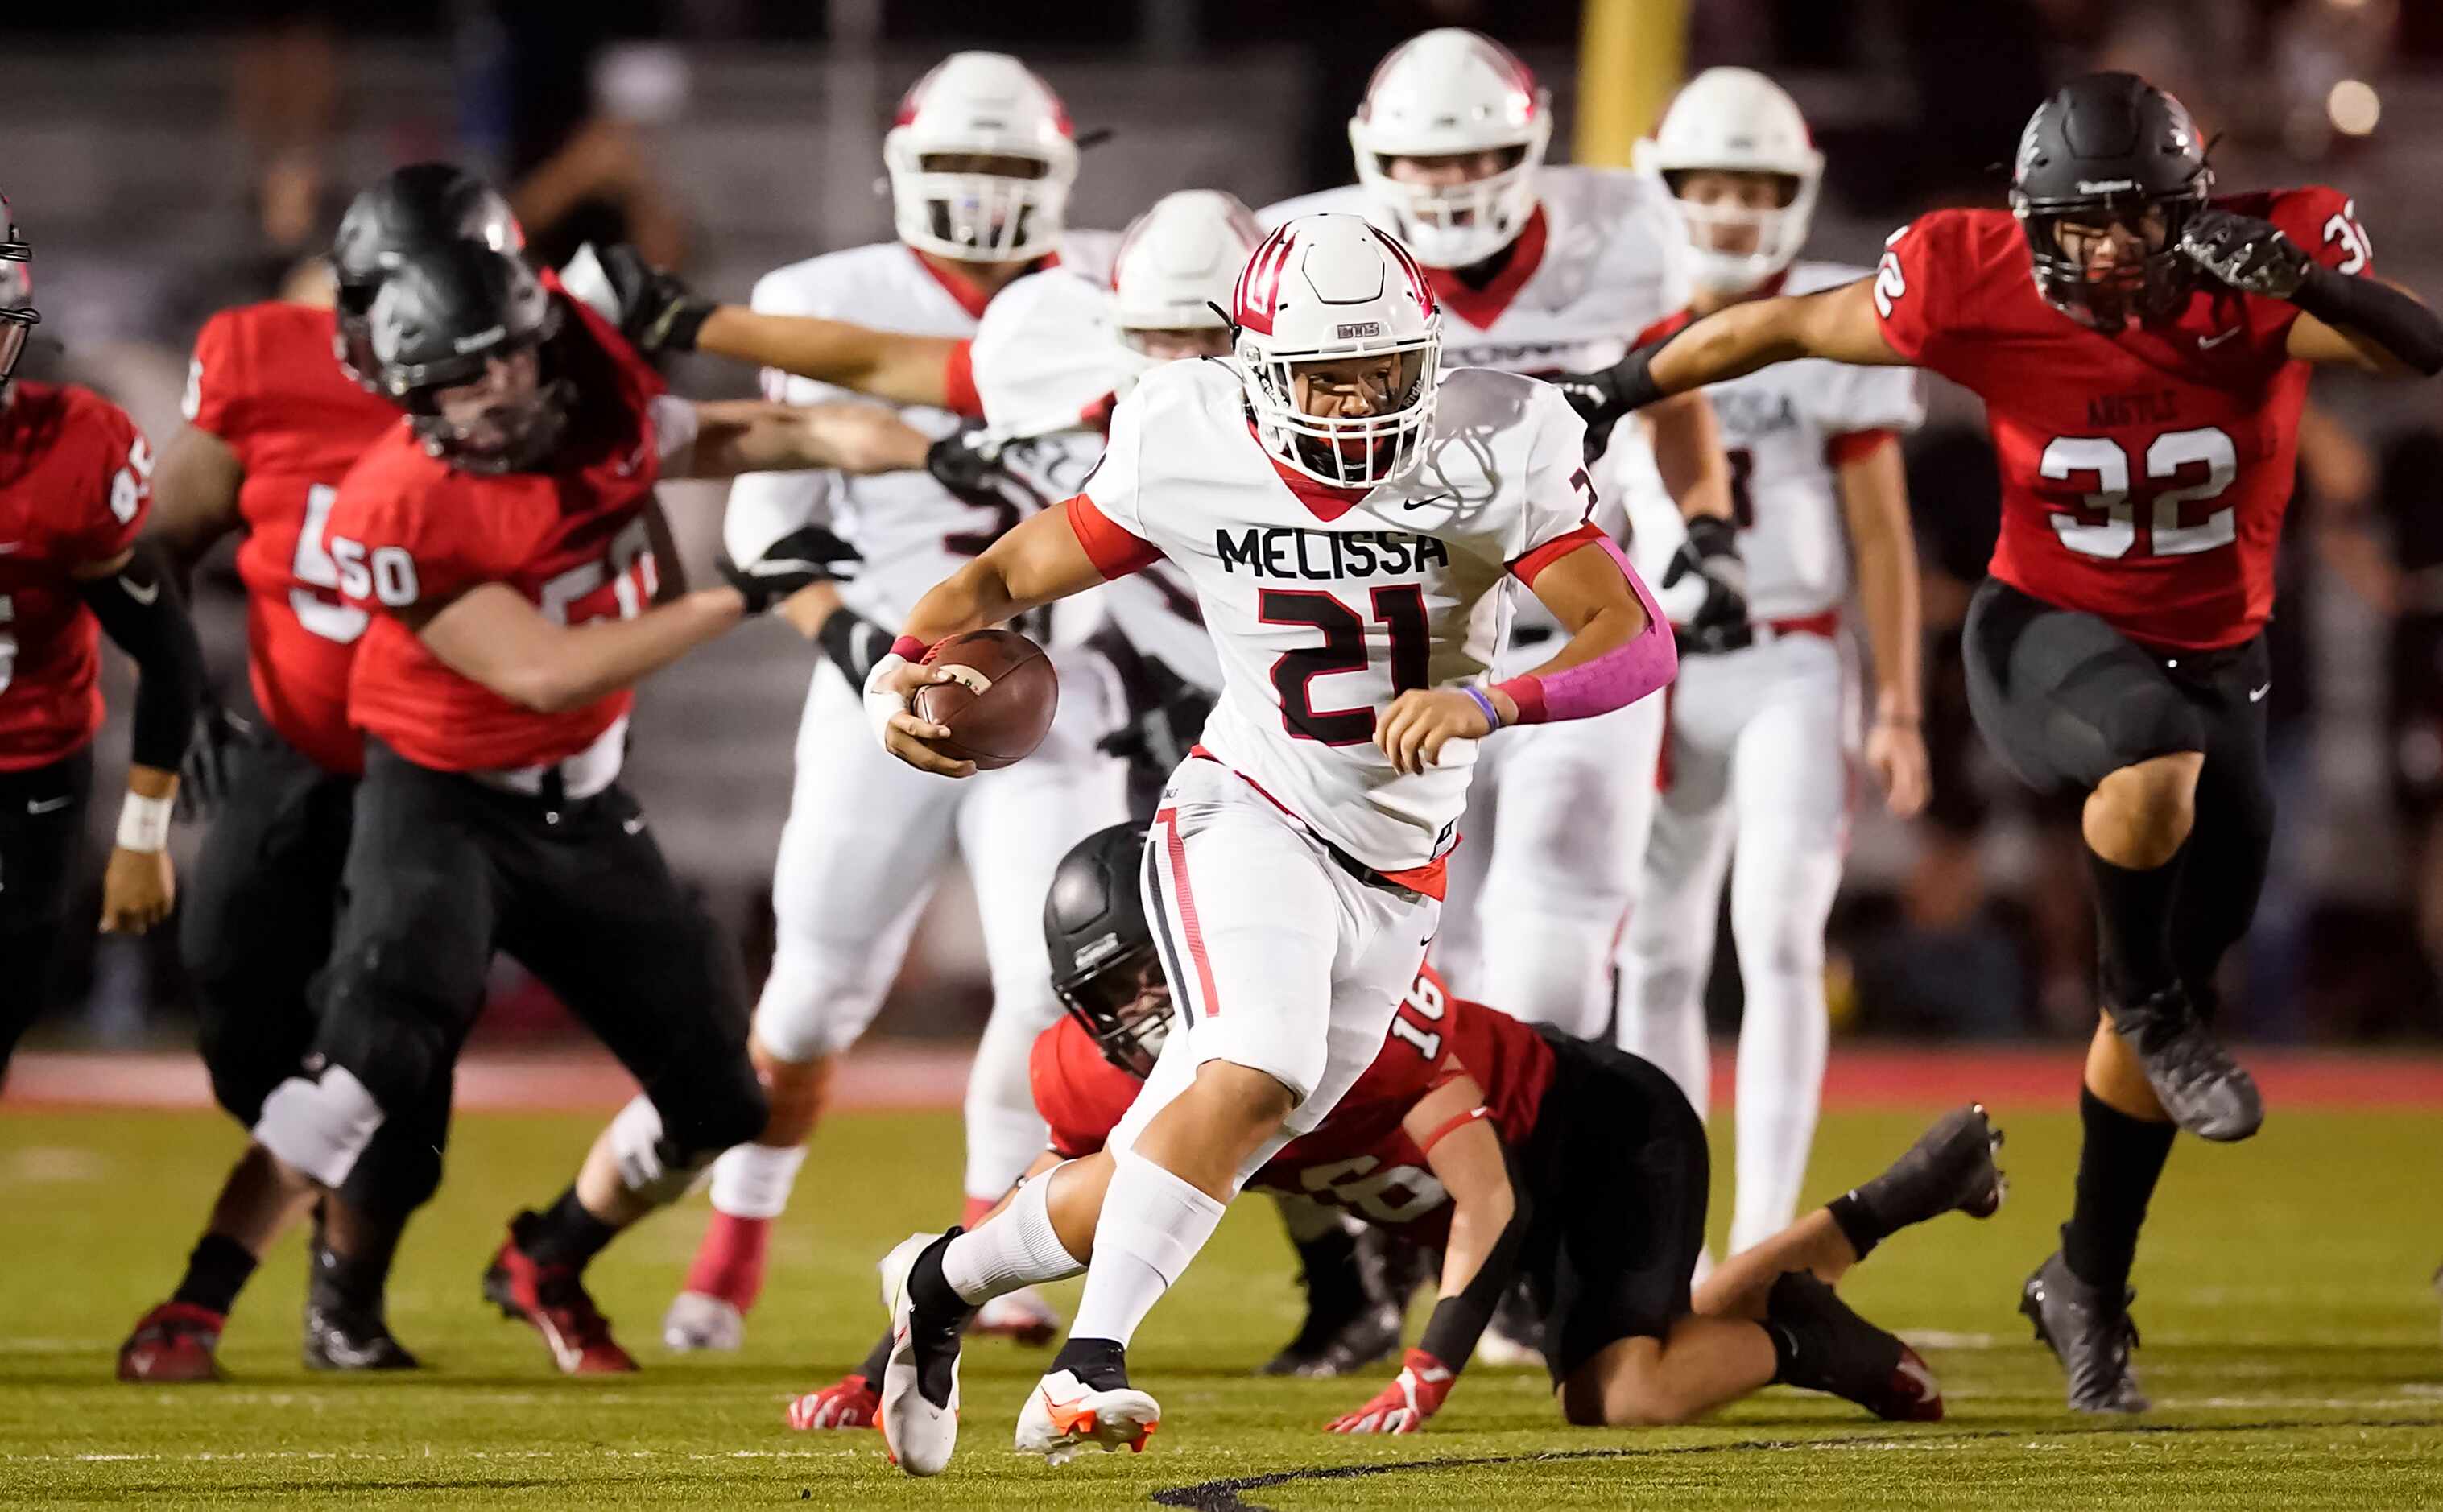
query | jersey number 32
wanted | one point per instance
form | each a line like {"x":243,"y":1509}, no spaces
{"x":2204,"y":456}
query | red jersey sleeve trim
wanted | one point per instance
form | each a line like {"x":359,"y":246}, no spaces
{"x":1116,"y":551}
{"x":959,"y":381}
{"x":1849,"y":445}
{"x":1669,"y":326}
{"x":1530,"y":566}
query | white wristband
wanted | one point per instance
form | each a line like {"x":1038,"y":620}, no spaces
{"x":144,"y":823}
{"x":880,"y":703}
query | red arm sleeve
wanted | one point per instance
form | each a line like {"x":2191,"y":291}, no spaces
{"x":1116,"y":551}
{"x":1527,"y":568}
{"x":959,"y":381}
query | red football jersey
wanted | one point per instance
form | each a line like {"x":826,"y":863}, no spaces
{"x":409,"y":531}
{"x":264,"y":380}
{"x":75,"y":482}
{"x":2144,"y":472}
{"x":1359,"y":1156}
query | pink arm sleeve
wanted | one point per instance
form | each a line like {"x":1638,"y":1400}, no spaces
{"x":1615,"y":679}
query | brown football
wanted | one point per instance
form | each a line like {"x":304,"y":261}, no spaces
{"x":1003,"y":703}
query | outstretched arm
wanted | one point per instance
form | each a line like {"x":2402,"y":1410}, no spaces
{"x":749,"y":435}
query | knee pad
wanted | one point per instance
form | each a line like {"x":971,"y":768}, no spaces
{"x":384,"y":1016}
{"x":649,"y":1166}
{"x":817,"y":1004}
{"x":320,"y":1126}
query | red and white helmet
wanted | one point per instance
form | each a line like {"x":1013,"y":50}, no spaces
{"x":1452,"y":91}
{"x":1179,"y":262}
{"x":17,"y":314}
{"x":948,"y":194}
{"x":1325,"y":289}
{"x":1739,"y":120}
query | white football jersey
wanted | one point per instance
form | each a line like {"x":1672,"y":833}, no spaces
{"x":1779,"y":425}
{"x":1323,"y":611}
{"x":910,"y":530}
{"x":1048,"y":353}
{"x":1605,"y":261}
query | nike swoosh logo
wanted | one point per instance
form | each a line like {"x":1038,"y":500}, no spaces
{"x":47,"y":805}
{"x":2207,"y":343}
{"x":144,"y":593}
{"x":1438,"y":499}
{"x":2257,"y":695}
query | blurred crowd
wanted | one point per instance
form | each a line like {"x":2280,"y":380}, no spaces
{"x":1969,"y":922}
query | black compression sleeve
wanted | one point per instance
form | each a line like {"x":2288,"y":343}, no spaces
{"x":2391,"y":319}
{"x":1458,"y":1321}
{"x":143,"y":615}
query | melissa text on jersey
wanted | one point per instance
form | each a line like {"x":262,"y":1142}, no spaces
{"x":1323,"y":555}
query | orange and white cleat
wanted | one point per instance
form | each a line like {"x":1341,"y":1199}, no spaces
{"x":1063,"y":1415}
{"x":173,"y":1344}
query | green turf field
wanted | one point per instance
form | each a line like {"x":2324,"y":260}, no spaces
{"x":2290,"y":1343}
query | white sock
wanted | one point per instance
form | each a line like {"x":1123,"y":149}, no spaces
{"x":1783,"y":1043}
{"x":753,"y":1180}
{"x":1152,"y":1225}
{"x":1017,"y":1247}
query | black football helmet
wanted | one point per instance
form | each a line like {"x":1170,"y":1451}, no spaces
{"x":445,"y":316}
{"x":2106,"y":150}
{"x":1105,"y":969}
{"x":18,"y":315}
{"x":420,"y":205}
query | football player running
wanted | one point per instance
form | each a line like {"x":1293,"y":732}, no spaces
{"x":1346,"y":512}
{"x":279,"y":404}
{"x":1759,"y":733}
{"x":74,"y":483}
{"x":498,"y":545}
{"x":1540,"y":269}
{"x":1504,"y":1145}
{"x":980,"y":164}
{"x":2143,"y":388}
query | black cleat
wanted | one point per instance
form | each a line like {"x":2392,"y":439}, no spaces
{"x":2090,"y":1333}
{"x":2204,"y":1091}
{"x":1949,"y":1169}
{"x":1339,"y":1343}
{"x":1825,"y":1346}
{"x":338,"y":1338}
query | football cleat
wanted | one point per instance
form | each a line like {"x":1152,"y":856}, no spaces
{"x":2090,"y":1333}
{"x":1063,"y":1415}
{"x":2205,"y":1091}
{"x":345,"y":1338}
{"x":1829,"y":1348}
{"x":697,"y":1322}
{"x":1329,"y":1345}
{"x":918,"y":1406}
{"x":848,"y":1402}
{"x":1949,"y":1169}
{"x":173,"y":1344}
{"x":1022,"y":1317}
{"x":554,"y":1301}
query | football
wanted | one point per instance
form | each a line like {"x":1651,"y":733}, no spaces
{"x":1001,"y":702}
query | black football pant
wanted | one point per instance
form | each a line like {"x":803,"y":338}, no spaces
{"x":42,"y":828}
{"x":443,"y":870}
{"x":259,"y":909}
{"x":2066,"y":701}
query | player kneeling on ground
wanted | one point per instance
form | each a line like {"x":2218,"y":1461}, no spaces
{"x":1519,"y":1150}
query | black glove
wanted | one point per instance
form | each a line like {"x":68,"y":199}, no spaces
{"x":1711,"y":553}
{"x":2249,"y":255}
{"x":1165,"y":712}
{"x":1604,"y":396}
{"x":966,"y":461}
{"x":806,"y":555}
{"x":853,"y":643}
{"x":657,"y":311}
{"x":204,"y":775}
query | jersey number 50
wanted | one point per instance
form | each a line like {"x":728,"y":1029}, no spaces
{"x":2066,"y":457}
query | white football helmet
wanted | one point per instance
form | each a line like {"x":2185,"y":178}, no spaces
{"x":1452,"y":91}
{"x":1737,"y":120}
{"x":1179,"y":262}
{"x":981,"y":105}
{"x":1324,"y":288}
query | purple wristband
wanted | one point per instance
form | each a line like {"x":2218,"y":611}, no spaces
{"x":1492,"y":715}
